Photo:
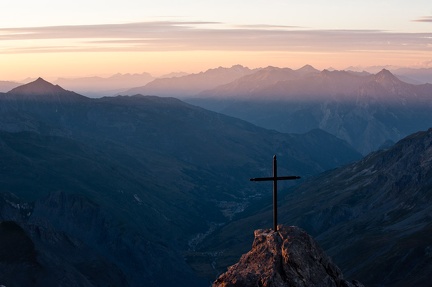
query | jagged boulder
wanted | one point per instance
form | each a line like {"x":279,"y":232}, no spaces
{"x":289,"y":257}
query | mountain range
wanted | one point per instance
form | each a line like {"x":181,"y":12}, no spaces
{"x":373,"y":217}
{"x":192,"y":84}
{"x":416,"y":76}
{"x":97,"y":87}
{"x":121,"y":190}
{"x":127,"y":189}
{"x":8,"y":85}
{"x":366,"y":110}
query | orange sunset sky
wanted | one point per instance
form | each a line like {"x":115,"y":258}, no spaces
{"x":82,"y":38}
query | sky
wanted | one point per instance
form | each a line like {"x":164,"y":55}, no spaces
{"x":86,"y":38}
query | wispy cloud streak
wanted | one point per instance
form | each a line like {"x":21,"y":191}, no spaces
{"x":424,"y":19}
{"x":186,"y":36}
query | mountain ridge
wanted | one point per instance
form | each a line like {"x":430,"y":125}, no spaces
{"x":37,"y":87}
{"x":104,"y":86}
{"x":311,"y":85}
{"x":133,"y":183}
{"x":366,"y":110}
{"x":190,"y":84}
{"x":41,"y":90}
{"x":372,"y":216}
{"x":6,"y":86}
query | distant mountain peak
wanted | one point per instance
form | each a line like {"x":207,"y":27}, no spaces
{"x":272,"y":68}
{"x":307,"y":69}
{"x":334,"y":73}
{"x":192,"y":84}
{"x":235,"y":68}
{"x":385,"y":76}
{"x":37,"y":87}
{"x":42,"y":89}
{"x":385,"y":72}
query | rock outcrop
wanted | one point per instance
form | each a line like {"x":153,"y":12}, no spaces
{"x":289,"y":257}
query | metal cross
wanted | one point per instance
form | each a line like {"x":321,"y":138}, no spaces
{"x":275,"y":179}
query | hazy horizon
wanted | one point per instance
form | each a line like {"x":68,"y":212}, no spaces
{"x":62,"y":39}
{"x":104,"y":76}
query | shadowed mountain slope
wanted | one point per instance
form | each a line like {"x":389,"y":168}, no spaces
{"x":363,"y":109}
{"x":372,"y":217}
{"x":131,"y":184}
{"x":41,"y":90}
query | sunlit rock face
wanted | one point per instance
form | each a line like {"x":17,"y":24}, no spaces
{"x":289,"y":257}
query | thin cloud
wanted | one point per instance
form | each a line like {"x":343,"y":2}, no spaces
{"x":424,"y":19}
{"x":189,"y":36}
{"x":264,"y":26}
{"x":130,"y":30}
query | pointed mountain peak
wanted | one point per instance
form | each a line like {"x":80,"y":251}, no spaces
{"x":385,"y":76}
{"x":37,"y":87}
{"x":385,"y":72}
{"x":41,"y":80}
{"x":307,"y":69}
{"x":43,"y":89}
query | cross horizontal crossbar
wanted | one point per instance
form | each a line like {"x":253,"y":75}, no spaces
{"x":274,"y":178}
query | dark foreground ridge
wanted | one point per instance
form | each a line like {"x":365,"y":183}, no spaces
{"x":289,"y":257}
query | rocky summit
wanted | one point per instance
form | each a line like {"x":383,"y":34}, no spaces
{"x":289,"y":257}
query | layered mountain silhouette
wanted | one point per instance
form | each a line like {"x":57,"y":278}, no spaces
{"x":120,"y":190}
{"x":415,"y":76}
{"x":308,"y":83}
{"x":8,"y":85}
{"x":372,"y":217}
{"x":103,"y":86}
{"x":191,"y":84}
{"x":364,"y":109}
{"x":42,"y":91}
{"x":410,"y":75}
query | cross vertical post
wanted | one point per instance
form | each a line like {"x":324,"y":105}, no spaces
{"x":275,"y":179}
{"x":274,"y":193}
